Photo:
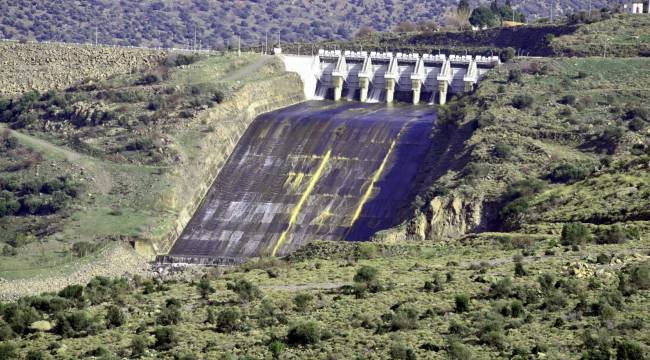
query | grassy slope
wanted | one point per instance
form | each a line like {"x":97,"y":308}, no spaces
{"x":122,"y":196}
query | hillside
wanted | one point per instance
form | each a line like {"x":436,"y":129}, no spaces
{"x":215,"y":24}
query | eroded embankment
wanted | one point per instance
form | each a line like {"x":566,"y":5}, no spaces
{"x":317,"y":170}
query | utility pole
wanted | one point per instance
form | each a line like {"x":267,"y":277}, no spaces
{"x":238,"y":45}
{"x":95,"y":35}
{"x":279,"y":40}
{"x":266,"y":42}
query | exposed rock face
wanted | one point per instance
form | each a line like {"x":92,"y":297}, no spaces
{"x":43,"y":67}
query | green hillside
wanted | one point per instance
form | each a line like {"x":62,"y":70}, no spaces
{"x":215,"y":24}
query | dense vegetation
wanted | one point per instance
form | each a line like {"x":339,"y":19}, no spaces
{"x":216,"y":24}
{"x":398,"y":302}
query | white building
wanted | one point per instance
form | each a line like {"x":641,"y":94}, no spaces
{"x":640,"y":7}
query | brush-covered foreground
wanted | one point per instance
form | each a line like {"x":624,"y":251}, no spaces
{"x":484,"y":297}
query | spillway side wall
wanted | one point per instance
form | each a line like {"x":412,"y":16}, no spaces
{"x":228,"y":122}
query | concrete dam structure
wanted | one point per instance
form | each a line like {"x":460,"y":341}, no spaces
{"x":385,"y":77}
{"x":319,"y":170}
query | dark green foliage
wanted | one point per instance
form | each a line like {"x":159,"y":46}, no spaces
{"x":613,"y":235}
{"x":404,"y":319}
{"x":461,"y":303}
{"x":36,"y":355}
{"x":218,"y":97}
{"x":515,"y":76}
{"x":629,"y":350}
{"x":138,"y":346}
{"x":522,"y":102}
{"x":399,"y":351}
{"x":305,"y":333}
{"x":246,"y":290}
{"x":75,"y":324}
{"x":575,"y":234}
{"x":170,"y":313}
{"x":166,"y":338}
{"x":502,"y":151}
{"x":73,"y":292}
{"x":303,"y":301}
{"x":568,"y":100}
{"x":520,"y":271}
{"x":500,"y":289}
{"x":508,"y":54}
{"x":569,"y":173}
{"x":276,"y":348}
{"x":546,"y":283}
{"x":141,"y":144}
{"x":148,"y":79}
{"x":115,"y":317}
{"x":451,"y":114}
{"x":8,"y":350}
{"x":366,"y":274}
{"x":555,"y":301}
{"x":205,"y":288}
{"x":19,"y":317}
{"x":229,"y":320}
{"x":640,"y":277}
{"x":484,"y":16}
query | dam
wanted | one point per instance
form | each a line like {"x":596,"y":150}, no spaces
{"x":319,"y":170}
{"x":386,"y":76}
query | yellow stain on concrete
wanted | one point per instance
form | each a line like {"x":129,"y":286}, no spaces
{"x":303,"y":198}
{"x":322,"y":217}
{"x":294,"y":180}
{"x":374,"y":179}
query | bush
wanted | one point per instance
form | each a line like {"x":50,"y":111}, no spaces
{"x":37,"y":355}
{"x":229,"y":319}
{"x":9,"y":204}
{"x":205,"y":289}
{"x":75,"y":324}
{"x":546,"y":282}
{"x":166,"y":338}
{"x":629,"y":350}
{"x":170,"y":314}
{"x":522,"y":102}
{"x":115,"y":317}
{"x":502,"y":151}
{"x":461,"y":303}
{"x":366,"y":278}
{"x":276,"y":348}
{"x":569,"y":173}
{"x":8,"y":350}
{"x":508,"y":54}
{"x":303,"y":301}
{"x":399,"y":351}
{"x":568,"y":100}
{"x":612,"y":235}
{"x":19,"y":317}
{"x":246,"y":290}
{"x":520,"y":271}
{"x":304,"y":333}
{"x":640,"y":277}
{"x":138,"y":346}
{"x":404,"y":319}
{"x":500,"y":289}
{"x":575,"y":234}
{"x":457,"y":351}
{"x":73,"y":292}
{"x":451,"y":114}
{"x":515,"y":76}
{"x":148,"y":80}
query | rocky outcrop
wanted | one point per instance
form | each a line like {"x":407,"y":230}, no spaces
{"x":43,"y":67}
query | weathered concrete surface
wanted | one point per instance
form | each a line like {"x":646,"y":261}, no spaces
{"x":194,"y":176}
{"x":317,"y":170}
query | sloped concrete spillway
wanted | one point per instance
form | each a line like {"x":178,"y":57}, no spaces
{"x":317,"y":170}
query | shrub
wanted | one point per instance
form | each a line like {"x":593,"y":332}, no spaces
{"x":138,"y":346}
{"x":229,"y":319}
{"x":303,"y":301}
{"x":19,"y":317}
{"x":640,"y":277}
{"x":461,"y":303}
{"x":399,"y":351}
{"x":205,"y":289}
{"x":8,"y":350}
{"x":508,"y":54}
{"x":404,"y":319}
{"x":218,"y":97}
{"x":246,"y":290}
{"x":166,"y":338}
{"x":612,"y":235}
{"x":451,"y":114}
{"x":9,"y":204}
{"x":304,"y":333}
{"x":73,"y":292}
{"x":502,"y":151}
{"x":457,"y":351}
{"x":575,"y":234}
{"x":568,"y":100}
{"x":555,"y":301}
{"x":520,"y":271}
{"x":170,"y":314}
{"x":629,"y":350}
{"x":276,"y":348}
{"x":522,"y":102}
{"x":516,"y":308}
{"x":37,"y":355}
{"x":115,"y":317}
{"x":569,"y":173}
{"x":148,"y":79}
{"x":546,"y":282}
{"x":515,"y":76}
{"x":75,"y":324}
{"x":500,"y":289}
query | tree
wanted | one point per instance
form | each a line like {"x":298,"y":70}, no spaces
{"x":456,"y":19}
{"x":246,"y":290}
{"x":115,"y":317}
{"x":205,"y":289}
{"x":484,"y":17}
{"x":166,"y":338}
{"x":463,"y":6}
{"x":575,"y":234}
